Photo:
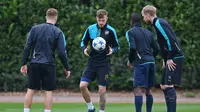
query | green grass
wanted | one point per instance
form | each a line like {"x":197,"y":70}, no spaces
{"x":77,"y":107}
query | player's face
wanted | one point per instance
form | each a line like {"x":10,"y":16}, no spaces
{"x":146,"y":18}
{"x":102,"y":21}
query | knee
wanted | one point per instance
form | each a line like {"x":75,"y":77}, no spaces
{"x":83,"y":86}
{"x":48,"y":93}
{"x":102,"y":91}
{"x":138,"y":91}
{"x":170,"y":95}
{"x":163,"y":87}
{"x":148,"y":92}
{"x":30,"y":93}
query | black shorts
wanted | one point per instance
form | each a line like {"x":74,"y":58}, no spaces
{"x":42,"y":76}
{"x":173,"y":77}
{"x":144,"y":75}
{"x":92,"y":72}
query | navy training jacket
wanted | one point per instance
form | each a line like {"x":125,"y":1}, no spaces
{"x":42,"y":41}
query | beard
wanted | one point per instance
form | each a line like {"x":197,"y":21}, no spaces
{"x":101,"y":25}
{"x":148,"y":21}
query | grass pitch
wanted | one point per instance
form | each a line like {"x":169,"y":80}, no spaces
{"x":81,"y":107}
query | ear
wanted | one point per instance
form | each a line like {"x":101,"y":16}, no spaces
{"x":149,"y":16}
{"x":56,"y":18}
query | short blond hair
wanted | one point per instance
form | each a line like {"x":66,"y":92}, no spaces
{"x":51,"y":13}
{"x":149,"y":9}
{"x":101,"y":13}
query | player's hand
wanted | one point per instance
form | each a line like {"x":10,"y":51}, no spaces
{"x":24,"y":70}
{"x":171,"y":65}
{"x":163,"y":64}
{"x":129,"y":64}
{"x":86,"y":51}
{"x":110,"y":51}
{"x":67,"y":73}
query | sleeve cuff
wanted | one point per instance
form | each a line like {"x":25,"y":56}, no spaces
{"x":83,"y":48}
{"x":169,"y":56}
{"x":67,"y":68}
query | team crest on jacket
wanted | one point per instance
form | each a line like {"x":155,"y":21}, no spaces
{"x":106,"y":32}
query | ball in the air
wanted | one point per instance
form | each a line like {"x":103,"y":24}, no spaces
{"x":99,"y":44}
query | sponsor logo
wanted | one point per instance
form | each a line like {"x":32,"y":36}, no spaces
{"x":106,"y":77}
{"x":169,"y":78}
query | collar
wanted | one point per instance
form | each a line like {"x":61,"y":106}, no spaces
{"x":154,"y":20}
{"x":137,"y":25}
{"x":50,"y":23}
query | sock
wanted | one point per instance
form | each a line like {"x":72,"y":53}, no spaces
{"x":101,"y":111}
{"x":90,"y":106}
{"x":170,"y":99}
{"x":46,"y":110}
{"x":26,"y":110}
{"x":149,"y":103}
{"x":138,"y":103}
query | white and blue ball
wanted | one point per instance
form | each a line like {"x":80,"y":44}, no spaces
{"x":99,"y":44}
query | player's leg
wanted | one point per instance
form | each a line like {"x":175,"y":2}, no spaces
{"x":103,"y":77}
{"x":138,"y":92}
{"x":170,"y":97}
{"x":149,"y":100}
{"x":87,"y":77}
{"x":48,"y":78}
{"x":33,"y":84}
{"x":86,"y":95}
{"x":85,"y":92}
{"x":48,"y":101}
{"x":102,"y":99}
{"x":140,"y":83}
{"x":168,"y":89}
{"x":151,"y":83}
{"x":28,"y":100}
{"x":171,"y":78}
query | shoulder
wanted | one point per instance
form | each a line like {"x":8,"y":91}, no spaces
{"x":162,"y":21}
{"x":133,"y":30}
{"x":129,"y":31}
{"x":56,"y":29}
{"x":38,"y":26}
{"x":147,"y":31}
{"x":110,"y":28}
{"x":92,"y":26}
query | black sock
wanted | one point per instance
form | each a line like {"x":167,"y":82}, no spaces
{"x":138,"y":103}
{"x":149,"y":103}
{"x":170,"y":98}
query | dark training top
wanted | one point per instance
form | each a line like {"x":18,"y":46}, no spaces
{"x":142,"y":45}
{"x":100,"y":58}
{"x":42,"y":41}
{"x":170,"y":48}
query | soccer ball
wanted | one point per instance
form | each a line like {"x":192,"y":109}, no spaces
{"x":99,"y":44}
